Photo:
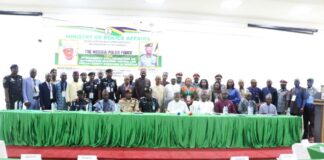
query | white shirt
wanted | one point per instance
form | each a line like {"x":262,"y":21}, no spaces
{"x":158,"y":93}
{"x":177,"y":107}
{"x":169,"y":91}
{"x":268,"y":109}
{"x":200,"y":107}
{"x":71,"y":91}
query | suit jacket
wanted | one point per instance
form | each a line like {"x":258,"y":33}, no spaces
{"x":44,"y":94}
{"x":28,"y":91}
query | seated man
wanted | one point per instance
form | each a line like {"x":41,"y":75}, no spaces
{"x":267,"y":107}
{"x":224,"y":105}
{"x":148,"y":103}
{"x":203,"y":106}
{"x":80,"y":103}
{"x":247,"y":102}
{"x":176,"y":105}
{"x":128,"y":104}
{"x":105,"y":105}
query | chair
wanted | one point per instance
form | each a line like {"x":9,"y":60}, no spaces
{"x":287,"y":157}
{"x":300,"y":150}
{"x":87,"y":157}
{"x":31,"y":157}
{"x":3,"y":150}
{"x":240,"y":158}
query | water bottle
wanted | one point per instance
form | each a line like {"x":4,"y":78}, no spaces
{"x":16,"y":105}
{"x":288,"y":111}
{"x":20,"y":105}
{"x":53,"y":106}
{"x":250,"y":110}
{"x":225,"y":110}
{"x":89,"y":108}
{"x":117,"y":108}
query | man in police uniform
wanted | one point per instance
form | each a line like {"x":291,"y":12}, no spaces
{"x":91,"y":88}
{"x":13,"y":88}
{"x":148,"y":103}
{"x":148,"y":59}
{"x":128,"y":104}
{"x":81,"y":103}
{"x":110,"y":85}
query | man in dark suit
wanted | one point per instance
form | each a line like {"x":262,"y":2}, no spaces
{"x":47,"y":93}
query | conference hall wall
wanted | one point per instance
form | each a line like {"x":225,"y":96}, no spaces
{"x":204,"y":44}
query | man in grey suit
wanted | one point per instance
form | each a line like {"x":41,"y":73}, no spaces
{"x":31,"y":91}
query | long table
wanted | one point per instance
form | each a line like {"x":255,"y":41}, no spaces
{"x":151,"y":130}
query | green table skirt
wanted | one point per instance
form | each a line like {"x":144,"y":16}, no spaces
{"x":39,"y":128}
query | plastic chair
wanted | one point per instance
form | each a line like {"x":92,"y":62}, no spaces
{"x":31,"y":157}
{"x":87,"y":157}
{"x":240,"y":158}
{"x":3,"y":150}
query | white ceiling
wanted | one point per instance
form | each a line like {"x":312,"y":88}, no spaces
{"x":297,"y":11}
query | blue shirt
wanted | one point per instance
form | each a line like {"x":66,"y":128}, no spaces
{"x":300,"y":94}
{"x":256,"y":93}
{"x":234,"y":95}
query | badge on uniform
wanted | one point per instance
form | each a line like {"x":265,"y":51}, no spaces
{"x":108,"y":89}
{"x":51,"y":95}
{"x":188,"y":98}
{"x":293,"y":98}
{"x":91,"y":95}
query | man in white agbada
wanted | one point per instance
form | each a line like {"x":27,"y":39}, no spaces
{"x":158,"y":92}
{"x":169,"y":91}
{"x":176,"y":105}
{"x":203,"y":106}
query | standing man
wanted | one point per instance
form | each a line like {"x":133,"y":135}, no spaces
{"x":12,"y":85}
{"x":46,"y":93}
{"x":131,"y":80}
{"x":255,"y":91}
{"x":31,"y":91}
{"x":308,"y":115}
{"x":83,"y":77}
{"x":282,"y":98}
{"x":110,"y":85}
{"x":100,"y":76}
{"x":53,"y":72}
{"x":72,"y":88}
{"x":60,"y":88}
{"x":124,"y":87}
{"x":242,"y":90}
{"x":165,"y":79}
{"x":158,"y":92}
{"x":141,"y":83}
{"x":90,"y":88}
{"x":148,"y":103}
{"x":297,"y":98}
{"x":170,"y":90}
{"x":196,"y":77}
{"x":179,"y":78}
{"x":270,"y":90}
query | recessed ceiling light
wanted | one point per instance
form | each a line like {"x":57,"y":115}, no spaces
{"x":155,"y":1}
{"x":230,"y":4}
{"x":300,"y":10}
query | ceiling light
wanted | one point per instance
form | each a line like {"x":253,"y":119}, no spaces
{"x":230,"y":4}
{"x":155,"y":1}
